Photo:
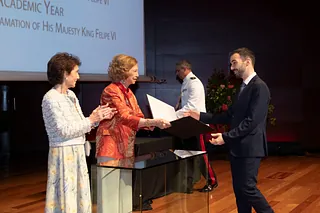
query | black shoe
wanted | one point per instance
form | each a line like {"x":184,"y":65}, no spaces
{"x":209,"y":187}
{"x":189,"y":190}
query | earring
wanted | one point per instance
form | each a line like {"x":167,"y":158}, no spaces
{"x":66,"y":78}
{"x":122,"y":81}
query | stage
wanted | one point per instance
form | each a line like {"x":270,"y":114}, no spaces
{"x":290,"y":183}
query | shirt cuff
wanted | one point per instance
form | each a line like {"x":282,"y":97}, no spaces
{"x":225,"y":137}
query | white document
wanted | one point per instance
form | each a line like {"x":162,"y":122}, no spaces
{"x":160,"y":109}
{"x":187,"y":153}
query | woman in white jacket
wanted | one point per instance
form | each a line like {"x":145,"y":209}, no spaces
{"x":68,"y":187}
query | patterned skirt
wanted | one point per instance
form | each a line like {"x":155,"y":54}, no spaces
{"x":68,"y":187}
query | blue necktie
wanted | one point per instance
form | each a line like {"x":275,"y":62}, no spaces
{"x":242,"y":86}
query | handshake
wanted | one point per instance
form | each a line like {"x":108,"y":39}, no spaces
{"x":162,"y":124}
{"x":150,"y":124}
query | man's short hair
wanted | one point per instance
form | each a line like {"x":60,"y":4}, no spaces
{"x":245,"y":53}
{"x":184,"y":64}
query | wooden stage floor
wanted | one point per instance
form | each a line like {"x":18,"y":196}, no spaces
{"x":290,"y":183}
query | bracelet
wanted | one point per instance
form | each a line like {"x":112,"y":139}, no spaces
{"x":94,"y":125}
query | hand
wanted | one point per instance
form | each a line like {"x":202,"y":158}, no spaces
{"x":151,"y":128}
{"x":101,"y":113}
{"x":217,"y":139}
{"x":107,"y":112}
{"x":193,"y":114}
{"x":161,"y":123}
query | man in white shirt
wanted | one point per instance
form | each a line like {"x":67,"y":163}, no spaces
{"x":193,"y":98}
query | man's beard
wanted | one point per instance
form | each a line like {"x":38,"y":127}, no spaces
{"x":238,"y":73}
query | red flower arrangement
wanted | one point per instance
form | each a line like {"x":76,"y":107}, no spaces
{"x":220,"y":90}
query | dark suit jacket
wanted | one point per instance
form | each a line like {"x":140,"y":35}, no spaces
{"x":247,"y":116}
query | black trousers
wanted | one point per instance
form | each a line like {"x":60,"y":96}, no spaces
{"x":196,"y":144}
{"x":244,"y":178}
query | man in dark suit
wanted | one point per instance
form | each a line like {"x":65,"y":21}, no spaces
{"x":247,"y":137}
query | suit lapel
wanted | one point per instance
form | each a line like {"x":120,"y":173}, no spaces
{"x":246,"y":87}
{"x":253,"y":80}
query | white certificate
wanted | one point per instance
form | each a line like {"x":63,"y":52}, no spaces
{"x":160,"y":109}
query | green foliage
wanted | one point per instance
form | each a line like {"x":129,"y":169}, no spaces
{"x":270,"y":119}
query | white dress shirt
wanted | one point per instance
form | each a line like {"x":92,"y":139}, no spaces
{"x":192,"y":95}
{"x":246,"y":82}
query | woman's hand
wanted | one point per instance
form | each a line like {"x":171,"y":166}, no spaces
{"x":101,"y":113}
{"x":107,"y":112}
{"x":149,"y":124}
{"x":161,"y":123}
